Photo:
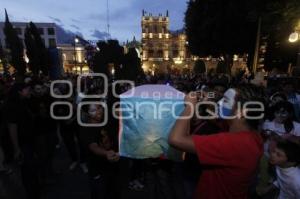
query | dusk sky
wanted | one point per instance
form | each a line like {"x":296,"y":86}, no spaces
{"x":89,"y":17}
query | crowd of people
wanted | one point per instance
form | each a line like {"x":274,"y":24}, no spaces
{"x":224,"y":158}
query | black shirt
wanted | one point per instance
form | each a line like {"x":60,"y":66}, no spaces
{"x":96,"y":163}
{"x":40,"y":107}
{"x":19,"y":113}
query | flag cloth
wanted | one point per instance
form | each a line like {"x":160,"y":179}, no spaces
{"x":147,"y":115}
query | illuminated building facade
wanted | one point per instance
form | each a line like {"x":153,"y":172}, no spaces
{"x":73,"y":58}
{"x":162,"y":49}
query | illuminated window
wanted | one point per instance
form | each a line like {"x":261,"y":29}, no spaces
{"x":150,"y":35}
{"x":166,"y":56}
{"x":181,"y":54}
{"x":144,"y":55}
{"x":160,"y":35}
{"x":167,"y":35}
{"x":235,"y":57}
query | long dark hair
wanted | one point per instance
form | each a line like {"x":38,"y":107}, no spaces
{"x":291,"y":149}
{"x":251,"y":93}
{"x":288,"y":123}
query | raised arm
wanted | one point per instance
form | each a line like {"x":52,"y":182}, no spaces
{"x":180,"y":137}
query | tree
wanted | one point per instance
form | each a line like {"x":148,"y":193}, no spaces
{"x":227,"y":27}
{"x":131,"y":66}
{"x":16,"y":48}
{"x":100,"y":59}
{"x":220,"y":28}
{"x":3,"y":58}
{"x":110,"y":52}
{"x":42,"y":52}
{"x":199,"y":67}
{"x":279,"y":20}
{"x":115,"y":55}
{"x":32,"y":52}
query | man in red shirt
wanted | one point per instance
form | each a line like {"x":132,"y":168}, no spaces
{"x":230,"y":159}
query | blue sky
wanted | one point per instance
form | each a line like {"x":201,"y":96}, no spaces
{"x":88,"y":17}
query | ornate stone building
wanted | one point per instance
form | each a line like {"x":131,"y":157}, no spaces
{"x":162,"y":49}
{"x":73,"y":58}
{"x":165,"y":51}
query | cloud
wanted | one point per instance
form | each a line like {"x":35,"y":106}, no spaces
{"x":100,"y":35}
{"x":95,"y":17}
{"x":55,"y":19}
{"x":76,"y":27}
{"x":66,"y":36}
{"x":76,"y":20}
{"x":125,"y":16}
{"x":79,"y":34}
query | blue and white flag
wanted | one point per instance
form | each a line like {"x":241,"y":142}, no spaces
{"x":148,"y":114}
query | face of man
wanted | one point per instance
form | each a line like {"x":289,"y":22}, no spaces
{"x":38,"y":90}
{"x":278,"y":157}
{"x":25,"y":92}
{"x":226,"y":104}
{"x":95,"y":112}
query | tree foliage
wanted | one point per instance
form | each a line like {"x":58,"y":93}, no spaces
{"x":4,"y":59}
{"x":43,"y":54}
{"x":36,"y":51}
{"x":131,"y":66}
{"x":226,"y":27}
{"x":280,"y":19}
{"x":218,"y":27}
{"x":110,"y":52}
{"x":127,"y":66}
{"x":32,"y":52}
{"x":16,"y":48}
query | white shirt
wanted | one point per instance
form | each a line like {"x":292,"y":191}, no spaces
{"x":288,"y":181}
{"x":279,"y":128}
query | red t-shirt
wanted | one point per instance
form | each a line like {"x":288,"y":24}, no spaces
{"x":230,"y":163}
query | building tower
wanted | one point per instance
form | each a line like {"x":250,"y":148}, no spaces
{"x":155,"y":38}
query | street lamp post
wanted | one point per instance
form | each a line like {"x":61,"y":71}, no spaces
{"x":294,"y":38}
{"x":113,"y":73}
{"x":76,"y":40}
